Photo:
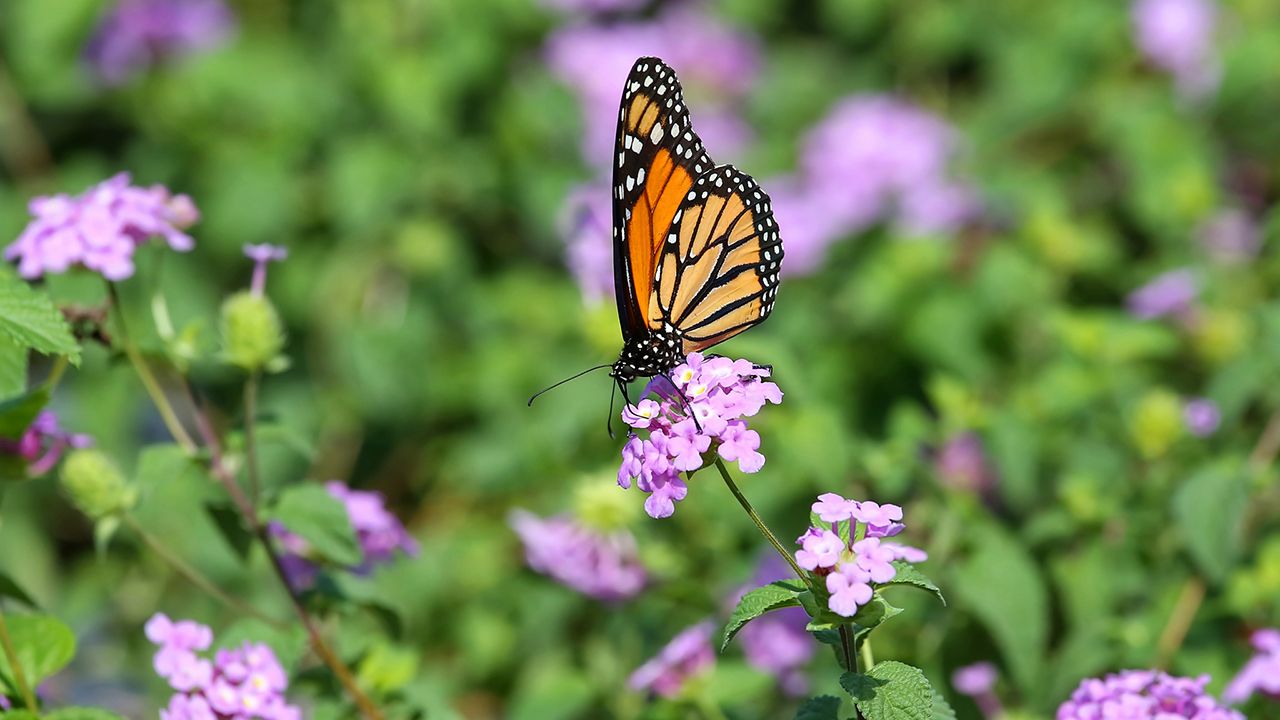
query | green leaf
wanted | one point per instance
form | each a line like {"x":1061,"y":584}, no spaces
{"x":313,"y":514}
{"x":81,"y":713}
{"x":387,"y":668}
{"x":780,"y":594}
{"x":11,"y":589}
{"x":942,"y":709}
{"x":999,"y":583}
{"x":13,"y":367}
{"x":17,"y":413}
{"x":43,"y":645}
{"x":165,"y":463}
{"x":890,"y":691}
{"x":823,"y":707}
{"x":1209,"y":509}
{"x":907,"y":574}
{"x":30,"y":319}
{"x":230,"y":525}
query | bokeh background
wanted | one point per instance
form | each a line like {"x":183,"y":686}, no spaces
{"x":1029,"y":295}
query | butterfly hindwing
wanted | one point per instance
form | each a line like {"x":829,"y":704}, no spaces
{"x":717,"y":274}
{"x":658,"y":157}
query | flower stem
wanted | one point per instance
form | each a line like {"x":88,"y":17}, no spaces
{"x":846,"y":644}
{"x":194,"y":576}
{"x":19,"y":675}
{"x":163,"y":406}
{"x":755,"y":518}
{"x":250,"y":514}
{"x":250,"y":442}
{"x":1175,"y":629}
{"x":868,"y":658}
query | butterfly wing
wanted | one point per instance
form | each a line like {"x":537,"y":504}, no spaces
{"x":717,"y":274}
{"x":658,"y":158}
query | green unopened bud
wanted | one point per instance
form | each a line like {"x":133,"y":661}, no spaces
{"x":598,"y":504}
{"x":1156,"y":423}
{"x":252,"y":335}
{"x":95,"y":485}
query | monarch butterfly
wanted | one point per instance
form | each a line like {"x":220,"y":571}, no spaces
{"x":696,"y":250}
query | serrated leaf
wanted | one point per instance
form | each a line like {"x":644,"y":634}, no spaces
{"x":999,"y":583}
{"x":43,"y":645}
{"x":13,"y":367}
{"x":9,"y":588}
{"x":17,"y":413}
{"x":890,"y":691}
{"x":823,"y":707}
{"x":907,"y":574}
{"x":81,"y":713}
{"x":310,"y":512}
{"x":942,"y":709}
{"x":30,"y":319}
{"x":1209,"y":508}
{"x":755,"y":603}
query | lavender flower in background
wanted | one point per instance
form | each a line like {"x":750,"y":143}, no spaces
{"x":871,"y":157}
{"x":601,"y":565}
{"x":1231,"y":236}
{"x":1261,"y":675}
{"x":262,"y":255}
{"x":978,"y":681}
{"x":136,"y":34}
{"x":777,"y":642}
{"x":852,"y":569}
{"x":961,"y":463}
{"x":43,"y":443}
{"x":244,"y":683}
{"x":101,"y":228}
{"x":720,"y":392}
{"x":1136,"y":694}
{"x":687,"y":655}
{"x":586,"y":225}
{"x":595,"y":6}
{"x":717,"y":66}
{"x":1177,"y":37}
{"x":380,"y":534}
{"x":1172,"y":293}
{"x":1201,"y":416}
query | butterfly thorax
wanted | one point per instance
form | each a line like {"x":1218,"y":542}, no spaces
{"x":648,"y":355}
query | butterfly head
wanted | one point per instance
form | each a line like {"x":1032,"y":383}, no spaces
{"x":648,"y":355}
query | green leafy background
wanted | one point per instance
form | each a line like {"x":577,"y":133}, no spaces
{"x":413,"y":156}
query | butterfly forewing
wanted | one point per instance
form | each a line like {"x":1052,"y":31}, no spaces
{"x":717,"y":272}
{"x":658,"y":158}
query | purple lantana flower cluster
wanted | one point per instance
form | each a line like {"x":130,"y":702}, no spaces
{"x":1261,"y":675}
{"x":43,"y":443}
{"x":244,"y":683}
{"x":1178,"y":37}
{"x":1173,"y":293}
{"x":380,"y":534}
{"x":687,"y":655}
{"x":602,"y":565}
{"x":978,"y":681}
{"x":135,"y":34}
{"x":703,"y":413}
{"x":846,"y":546}
{"x":871,"y":157}
{"x":101,"y":228}
{"x":1136,"y":694}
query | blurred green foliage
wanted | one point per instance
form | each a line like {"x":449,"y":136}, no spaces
{"x":413,"y":156}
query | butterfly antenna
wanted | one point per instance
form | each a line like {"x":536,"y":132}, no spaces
{"x":572,"y":377}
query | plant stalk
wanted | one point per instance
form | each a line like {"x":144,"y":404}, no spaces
{"x":250,"y":437}
{"x":19,"y":675}
{"x":755,"y":518}
{"x":194,"y":576}
{"x":158,"y":398}
{"x":846,"y":644}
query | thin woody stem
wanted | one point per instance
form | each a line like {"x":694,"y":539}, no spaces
{"x":194,"y":576}
{"x":755,"y":518}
